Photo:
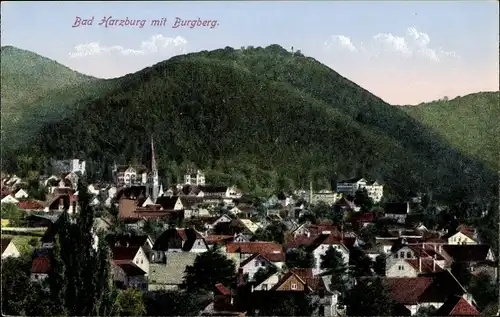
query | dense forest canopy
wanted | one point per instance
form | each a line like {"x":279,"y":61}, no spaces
{"x":470,"y":123}
{"x":261,"y":118}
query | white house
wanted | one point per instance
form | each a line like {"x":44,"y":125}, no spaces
{"x":223,"y":218}
{"x":465,"y":235}
{"x":412,"y":260}
{"x":135,"y":254}
{"x":9,"y":249}
{"x":256,"y":262}
{"x":351,"y":186}
{"x":20,"y":194}
{"x":197,"y":179}
{"x":9,"y":199}
{"x":326,"y":196}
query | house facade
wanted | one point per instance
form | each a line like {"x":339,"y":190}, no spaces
{"x":194,"y":178}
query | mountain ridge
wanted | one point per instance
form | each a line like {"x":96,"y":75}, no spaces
{"x":290,"y":124}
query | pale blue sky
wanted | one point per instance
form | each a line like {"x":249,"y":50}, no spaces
{"x":404,"y":52}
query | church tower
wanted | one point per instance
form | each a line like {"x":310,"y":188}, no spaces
{"x":155,"y":182}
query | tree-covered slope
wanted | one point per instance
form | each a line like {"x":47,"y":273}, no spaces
{"x":229,"y":112}
{"x":36,"y":90}
{"x":470,"y":123}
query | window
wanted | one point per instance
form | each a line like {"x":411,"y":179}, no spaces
{"x":395,"y":255}
{"x":256,"y":264}
{"x":408,"y":254}
{"x":401,"y":267}
{"x":141,"y":261}
{"x":264,"y":287}
{"x":294,"y":286}
{"x":402,"y":255}
{"x":36,"y":276}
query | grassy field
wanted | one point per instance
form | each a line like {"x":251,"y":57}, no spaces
{"x":22,"y":242}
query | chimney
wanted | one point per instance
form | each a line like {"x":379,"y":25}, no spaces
{"x":241,"y":278}
{"x":420,"y":264}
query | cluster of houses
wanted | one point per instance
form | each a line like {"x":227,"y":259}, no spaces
{"x":201,"y":215}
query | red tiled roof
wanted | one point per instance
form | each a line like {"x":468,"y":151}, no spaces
{"x":365,"y":217}
{"x":218,"y":239}
{"x":413,"y":288}
{"x":457,"y":306}
{"x":222,"y":289}
{"x":30,"y":205}
{"x":253,"y":247}
{"x":300,"y":240}
{"x":467,"y":230}
{"x":40,"y":265}
{"x":129,"y":267}
{"x":124,"y":253}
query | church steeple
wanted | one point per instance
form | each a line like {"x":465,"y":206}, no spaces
{"x":154,"y":173}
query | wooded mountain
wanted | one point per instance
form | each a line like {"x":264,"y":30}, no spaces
{"x":36,"y":90}
{"x":470,"y":123}
{"x":262,"y":118}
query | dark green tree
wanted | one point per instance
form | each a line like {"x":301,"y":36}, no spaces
{"x":379,"y":265}
{"x":285,"y":304}
{"x":263,"y":273}
{"x":173,"y":303}
{"x":362,"y":200}
{"x":208,"y":269}
{"x":299,"y":258}
{"x":131,"y":302}
{"x":461,"y":271}
{"x":484,"y":290}
{"x":273,"y":232}
{"x":333,"y":262}
{"x":369,"y":297}
{"x":16,"y":286}
{"x":322,"y":210}
{"x":57,"y":280}
{"x":361,"y":263}
{"x":87,"y":270}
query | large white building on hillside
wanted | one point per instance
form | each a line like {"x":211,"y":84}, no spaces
{"x":68,"y":166}
{"x":197,"y":179}
{"x":351,"y":186}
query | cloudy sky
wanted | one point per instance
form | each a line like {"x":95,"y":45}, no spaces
{"x":403,"y":52}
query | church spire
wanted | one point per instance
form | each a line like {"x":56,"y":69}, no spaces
{"x":154,"y":173}
{"x":154,"y":168}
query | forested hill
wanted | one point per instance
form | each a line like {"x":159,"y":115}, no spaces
{"x":36,"y":90}
{"x":262,"y":118}
{"x":469,"y":123}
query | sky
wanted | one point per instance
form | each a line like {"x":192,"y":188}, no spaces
{"x":405,"y":52}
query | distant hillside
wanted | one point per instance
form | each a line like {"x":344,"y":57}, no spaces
{"x":35,"y":90}
{"x":261,"y":118}
{"x":470,"y":123}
